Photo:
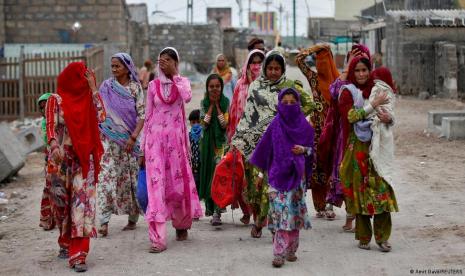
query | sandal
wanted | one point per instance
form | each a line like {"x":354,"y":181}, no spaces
{"x":320,"y":214}
{"x":155,"y":249}
{"x":216,"y":220}
{"x":384,"y":246}
{"x":103,"y":230}
{"x":81,"y":267}
{"x":348,"y":229}
{"x":256,"y":232}
{"x":329,"y":213}
{"x":278,"y":261}
{"x":181,"y":234}
{"x":365,"y":246}
{"x":291,"y":257}
{"x":63,"y":253}
{"x":245,"y":219}
{"x":130,"y":226}
{"x":348,"y":226}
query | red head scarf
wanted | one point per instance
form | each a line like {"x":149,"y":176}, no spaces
{"x":80,"y":115}
{"x":366,"y":87}
{"x":384,"y":74}
{"x":326,"y":70}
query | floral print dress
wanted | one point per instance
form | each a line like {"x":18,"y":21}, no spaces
{"x":119,"y":170}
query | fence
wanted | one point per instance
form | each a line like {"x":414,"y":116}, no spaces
{"x":24,"y":79}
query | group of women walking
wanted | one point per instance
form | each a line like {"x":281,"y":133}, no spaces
{"x":336,"y":140}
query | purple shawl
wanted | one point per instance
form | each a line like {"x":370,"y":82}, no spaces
{"x":273,"y":153}
{"x":120,"y":107}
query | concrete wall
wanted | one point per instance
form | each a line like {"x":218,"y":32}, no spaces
{"x":139,"y":33}
{"x":197,"y":44}
{"x":445,"y":67}
{"x":461,"y":71}
{"x":50,"y":21}
{"x":410,"y":54}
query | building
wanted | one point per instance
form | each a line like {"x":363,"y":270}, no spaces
{"x":221,"y":16}
{"x":263,"y":23}
{"x":426,"y":51}
{"x":139,"y":36}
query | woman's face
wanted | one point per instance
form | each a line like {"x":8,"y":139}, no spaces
{"x":256,"y":60}
{"x":289,"y":99}
{"x":274,"y":71}
{"x":361,"y":73}
{"x":214,"y":89}
{"x":221,"y":62}
{"x":42,"y":105}
{"x":118,"y":69}
{"x":165,"y":62}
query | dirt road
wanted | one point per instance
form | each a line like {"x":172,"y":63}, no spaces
{"x":428,"y":232}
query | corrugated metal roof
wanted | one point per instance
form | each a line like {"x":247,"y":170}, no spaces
{"x":429,"y":18}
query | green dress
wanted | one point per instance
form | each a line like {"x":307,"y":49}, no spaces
{"x":365,"y":192}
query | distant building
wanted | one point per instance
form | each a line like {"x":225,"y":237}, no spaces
{"x":221,"y":16}
{"x":263,"y":22}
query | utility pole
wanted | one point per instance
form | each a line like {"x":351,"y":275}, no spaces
{"x":281,"y":18}
{"x":294,"y":25}
{"x":267,"y":21}
{"x":250,"y":10}
{"x":190,"y":9}
{"x":239,"y":3}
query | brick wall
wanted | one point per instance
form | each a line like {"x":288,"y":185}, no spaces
{"x":197,"y":44}
{"x":410,"y":54}
{"x":50,"y":21}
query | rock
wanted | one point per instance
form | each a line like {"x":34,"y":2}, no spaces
{"x":424,"y":95}
{"x":2,"y":218}
{"x":3,"y":201}
{"x":14,"y":195}
{"x":12,"y":153}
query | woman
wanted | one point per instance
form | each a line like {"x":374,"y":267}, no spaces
{"x":72,"y":116}
{"x":250,"y":72}
{"x":366,"y":193}
{"x":317,"y":64}
{"x":222,"y":68}
{"x":214,"y":117}
{"x":123,"y":98}
{"x":259,"y":112}
{"x":145,"y":74}
{"x":331,"y":145}
{"x":170,"y":184}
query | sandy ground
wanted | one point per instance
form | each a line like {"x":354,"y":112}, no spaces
{"x":428,"y":232}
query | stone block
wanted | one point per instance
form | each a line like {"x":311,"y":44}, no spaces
{"x":435,"y":117}
{"x":453,"y":128}
{"x":31,"y":139}
{"x":12,"y":153}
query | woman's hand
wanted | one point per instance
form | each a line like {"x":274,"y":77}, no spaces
{"x":258,"y":182}
{"x":297,"y":150}
{"x":168,"y":68}
{"x":55,"y":151}
{"x":142,"y":161}
{"x":130,"y":144}
{"x":384,"y":116}
{"x":380,"y":99}
{"x":90,"y":77}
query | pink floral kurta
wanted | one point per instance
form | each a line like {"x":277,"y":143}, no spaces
{"x":170,"y":183}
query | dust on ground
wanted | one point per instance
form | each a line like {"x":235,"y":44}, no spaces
{"x":428,"y":232}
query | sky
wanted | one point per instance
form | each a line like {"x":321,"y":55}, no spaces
{"x":175,"y":11}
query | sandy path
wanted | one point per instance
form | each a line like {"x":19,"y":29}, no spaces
{"x":430,"y":181}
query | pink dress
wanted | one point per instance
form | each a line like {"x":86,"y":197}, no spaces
{"x":172,"y":194}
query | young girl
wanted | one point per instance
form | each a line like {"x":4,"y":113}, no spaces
{"x":284,"y":153}
{"x":170,"y":184}
{"x":214,"y":117}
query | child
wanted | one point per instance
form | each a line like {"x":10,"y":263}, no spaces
{"x":47,"y":221}
{"x":194,"y":138}
{"x":382,"y":141}
{"x":284,"y":153}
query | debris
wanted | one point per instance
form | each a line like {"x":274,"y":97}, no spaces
{"x":429,"y":215}
{"x":424,"y":95}
{"x":2,"y":218}
{"x":3,"y":201}
{"x":2,"y":195}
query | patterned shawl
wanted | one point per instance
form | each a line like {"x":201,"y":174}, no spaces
{"x":241,"y":91}
{"x":225,"y":72}
{"x":260,"y":109}
{"x":120,"y":107}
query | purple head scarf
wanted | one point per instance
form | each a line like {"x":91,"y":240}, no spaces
{"x":273,"y":153}
{"x":129,"y":64}
{"x":120,"y":106}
